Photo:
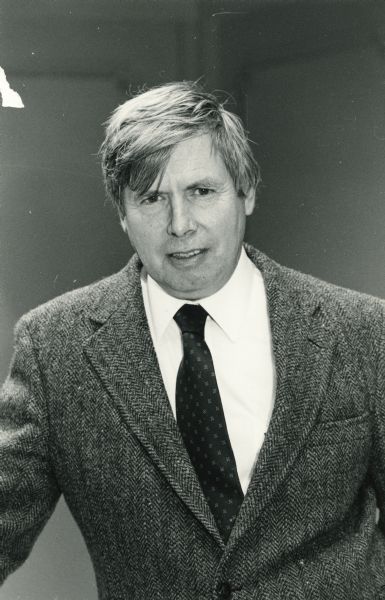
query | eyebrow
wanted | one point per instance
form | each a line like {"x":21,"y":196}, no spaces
{"x":205,"y":182}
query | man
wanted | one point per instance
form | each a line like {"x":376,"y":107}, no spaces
{"x":216,"y":422}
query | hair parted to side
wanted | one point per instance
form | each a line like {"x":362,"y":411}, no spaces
{"x":141,"y":133}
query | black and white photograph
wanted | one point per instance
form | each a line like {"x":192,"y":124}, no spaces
{"x":192,"y":313}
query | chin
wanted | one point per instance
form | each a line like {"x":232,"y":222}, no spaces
{"x":185,"y":294}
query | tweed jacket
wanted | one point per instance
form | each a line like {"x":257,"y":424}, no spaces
{"x":84,"y":412}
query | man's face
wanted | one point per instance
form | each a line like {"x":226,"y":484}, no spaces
{"x":188,"y":227}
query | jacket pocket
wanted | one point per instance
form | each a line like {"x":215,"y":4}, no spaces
{"x":330,"y":470}
{"x":340,"y":432}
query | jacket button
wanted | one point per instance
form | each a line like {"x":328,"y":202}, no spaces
{"x":224,"y":590}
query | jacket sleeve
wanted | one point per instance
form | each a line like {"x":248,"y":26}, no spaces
{"x":378,"y":450}
{"x":28,"y":490}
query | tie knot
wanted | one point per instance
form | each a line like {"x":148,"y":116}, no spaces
{"x":191,"y":318}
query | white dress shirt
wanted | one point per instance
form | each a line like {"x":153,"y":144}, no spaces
{"x":238,"y":335}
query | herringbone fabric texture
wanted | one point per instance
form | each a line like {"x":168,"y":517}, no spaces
{"x":84,"y":412}
{"x":202,"y":422}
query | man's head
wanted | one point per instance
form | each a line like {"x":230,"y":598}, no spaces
{"x":179,"y":168}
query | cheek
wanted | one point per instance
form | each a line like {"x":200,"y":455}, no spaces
{"x":230,"y":225}
{"x":138,"y":230}
{"x":146,"y":239}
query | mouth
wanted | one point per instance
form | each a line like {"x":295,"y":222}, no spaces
{"x":188,"y":254}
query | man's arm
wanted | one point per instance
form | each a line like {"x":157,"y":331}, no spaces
{"x":28,"y":489}
{"x":378,"y":451}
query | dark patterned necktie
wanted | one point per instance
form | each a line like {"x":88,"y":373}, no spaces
{"x":202,"y":422}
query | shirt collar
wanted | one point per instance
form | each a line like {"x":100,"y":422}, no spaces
{"x":228,"y":306}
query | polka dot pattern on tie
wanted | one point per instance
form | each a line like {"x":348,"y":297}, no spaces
{"x":202,"y":422}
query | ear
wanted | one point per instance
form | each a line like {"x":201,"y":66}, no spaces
{"x":122,"y":214}
{"x":123,"y":224}
{"x":249,"y":201}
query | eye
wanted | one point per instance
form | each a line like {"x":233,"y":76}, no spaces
{"x":203,"y":191}
{"x":151,"y":198}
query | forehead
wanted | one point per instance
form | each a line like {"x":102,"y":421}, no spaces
{"x":194,"y":158}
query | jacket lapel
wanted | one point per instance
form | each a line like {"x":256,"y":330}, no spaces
{"x":302,"y":348}
{"x":123,"y":355}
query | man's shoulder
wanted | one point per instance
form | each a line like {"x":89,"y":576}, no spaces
{"x":337,"y":298}
{"x":360,"y":317}
{"x":338,"y":301}
{"x":329,"y":292}
{"x":101,"y":297}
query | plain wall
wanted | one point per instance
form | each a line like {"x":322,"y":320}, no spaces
{"x":308,"y":79}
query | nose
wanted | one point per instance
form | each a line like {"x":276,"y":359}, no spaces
{"x":181,"y":221}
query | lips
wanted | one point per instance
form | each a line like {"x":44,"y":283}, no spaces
{"x":187,"y":253}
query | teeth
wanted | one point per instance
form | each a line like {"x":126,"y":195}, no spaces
{"x":186,"y":254}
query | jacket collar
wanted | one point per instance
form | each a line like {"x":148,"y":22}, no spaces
{"x":220,"y":305}
{"x":122,"y":353}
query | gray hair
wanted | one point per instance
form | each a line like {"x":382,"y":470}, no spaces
{"x":141,"y":133}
